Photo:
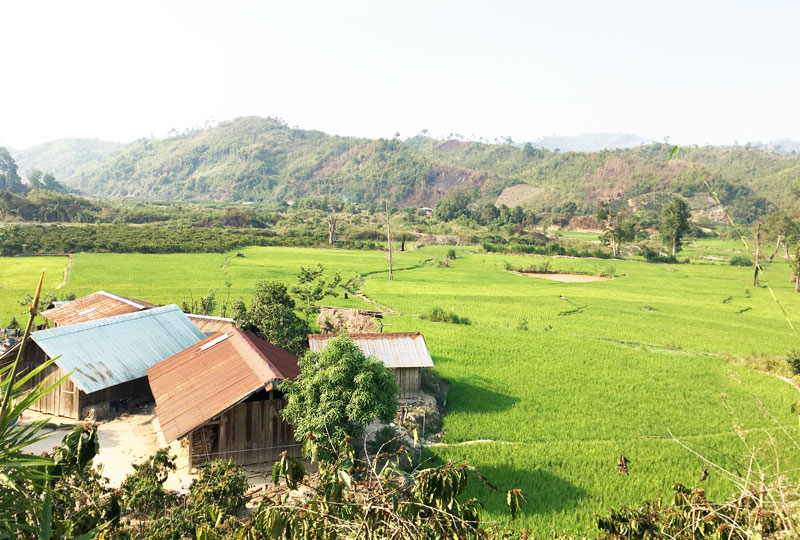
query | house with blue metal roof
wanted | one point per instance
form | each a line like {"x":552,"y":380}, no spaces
{"x":106,"y":360}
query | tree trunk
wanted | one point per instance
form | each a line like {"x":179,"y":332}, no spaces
{"x":758,"y":254}
{"x":403,"y":243}
{"x":674,"y":246}
{"x":331,"y":230}
{"x":389,"y":240}
{"x":777,"y":246}
{"x":786,"y":251}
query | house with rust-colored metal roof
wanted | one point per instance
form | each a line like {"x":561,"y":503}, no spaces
{"x":208,"y":324}
{"x":105,"y":360}
{"x":95,"y":306}
{"x":222,"y":393}
{"x":405,"y":353}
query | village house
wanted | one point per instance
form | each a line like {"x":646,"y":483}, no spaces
{"x":106,"y":360}
{"x":221,"y":395}
{"x":98,"y":305}
{"x":405,"y":353}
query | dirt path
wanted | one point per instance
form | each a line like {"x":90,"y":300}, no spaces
{"x":66,"y":272}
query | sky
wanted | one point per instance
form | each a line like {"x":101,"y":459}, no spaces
{"x":697,"y":72}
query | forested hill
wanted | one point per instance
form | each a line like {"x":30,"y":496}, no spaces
{"x":63,"y":157}
{"x":263,"y":159}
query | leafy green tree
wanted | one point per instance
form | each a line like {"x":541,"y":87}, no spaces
{"x":271,"y":316}
{"x":617,"y":230}
{"x":312,"y":286}
{"x":338,"y":392}
{"x":50,"y":183}
{"x":35,"y":179}
{"x":674,"y":224}
{"x":9,"y":178}
{"x":453,"y":205}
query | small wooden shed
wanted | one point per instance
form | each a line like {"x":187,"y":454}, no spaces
{"x":107,"y":359}
{"x":405,"y":353}
{"x":222,"y":395}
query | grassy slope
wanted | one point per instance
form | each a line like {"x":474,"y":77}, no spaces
{"x":572,"y":391}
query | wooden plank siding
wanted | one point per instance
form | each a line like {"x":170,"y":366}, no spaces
{"x":410,"y":382}
{"x":251,"y":432}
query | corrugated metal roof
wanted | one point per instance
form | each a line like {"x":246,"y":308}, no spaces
{"x":395,"y":350}
{"x":118,"y":349}
{"x":209,"y":324}
{"x":95,"y":306}
{"x":208,"y":378}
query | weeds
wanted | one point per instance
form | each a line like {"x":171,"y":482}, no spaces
{"x":437,"y":314}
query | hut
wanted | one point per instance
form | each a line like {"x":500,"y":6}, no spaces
{"x":405,"y":353}
{"x":221,"y":396}
{"x":106,"y":359}
{"x":95,"y":306}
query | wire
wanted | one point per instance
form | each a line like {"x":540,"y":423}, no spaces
{"x":741,"y":237}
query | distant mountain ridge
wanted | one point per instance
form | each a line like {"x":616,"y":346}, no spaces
{"x":591,"y":142}
{"x":265,"y":160}
{"x":63,"y":157}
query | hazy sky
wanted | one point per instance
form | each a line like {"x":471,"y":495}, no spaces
{"x":696,"y":71}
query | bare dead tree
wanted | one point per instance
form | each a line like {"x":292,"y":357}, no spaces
{"x":389,"y":239}
{"x":757,"y":239}
{"x":331,"y":221}
{"x":778,"y":244}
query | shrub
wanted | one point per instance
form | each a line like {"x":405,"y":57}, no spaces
{"x":741,"y":260}
{"x":143,"y":491}
{"x":386,"y":440}
{"x":654,"y":256}
{"x":451,"y":254}
{"x":221,"y":483}
{"x":793,"y":359}
{"x":437,"y":314}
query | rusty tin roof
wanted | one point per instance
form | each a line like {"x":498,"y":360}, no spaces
{"x":118,"y":349}
{"x":203,"y":381}
{"x":95,"y":306}
{"x":394,"y":349}
{"x":208,"y":325}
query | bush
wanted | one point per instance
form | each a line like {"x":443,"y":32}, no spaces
{"x":793,"y":359}
{"x":143,"y":491}
{"x":741,"y":260}
{"x":654,"y":256}
{"x":221,"y":483}
{"x":386,"y":440}
{"x":437,"y":314}
{"x":451,"y":254}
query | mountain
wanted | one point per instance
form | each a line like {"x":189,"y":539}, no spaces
{"x":264,"y":160}
{"x":592,"y":142}
{"x":63,"y":157}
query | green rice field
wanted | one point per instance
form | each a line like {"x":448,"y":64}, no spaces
{"x":551,"y":381}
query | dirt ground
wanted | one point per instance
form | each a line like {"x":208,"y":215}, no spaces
{"x":568,"y":278}
{"x":129,"y":439}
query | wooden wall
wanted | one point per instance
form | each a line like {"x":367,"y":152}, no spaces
{"x":67,"y":399}
{"x":410,"y":381}
{"x":251,"y":432}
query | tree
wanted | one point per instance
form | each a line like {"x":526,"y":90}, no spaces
{"x":338,"y":392}
{"x":784,"y":229}
{"x":674,"y":224}
{"x":271,"y":316}
{"x":35,"y":179}
{"x":52,"y":184}
{"x":795,"y":265}
{"x":312,"y":286}
{"x":331,"y":221}
{"x":616,"y":230}
{"x":389,"y":238}
{"x":757,"y":257}
{"x":9,"y":178}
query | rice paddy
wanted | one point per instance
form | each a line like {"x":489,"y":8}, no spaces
{"x":561,"y":377}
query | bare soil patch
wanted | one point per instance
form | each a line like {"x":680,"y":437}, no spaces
{"x":566,"y":278}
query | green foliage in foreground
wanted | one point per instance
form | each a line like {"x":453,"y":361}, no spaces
{"x":271,"y":317}
{"x":338,"y":392}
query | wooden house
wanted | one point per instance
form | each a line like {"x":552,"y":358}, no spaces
{"x":221,"y":394}
{"x":405,"y":353}
{"x":106,"y":359}
{"x":208,"y":324}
